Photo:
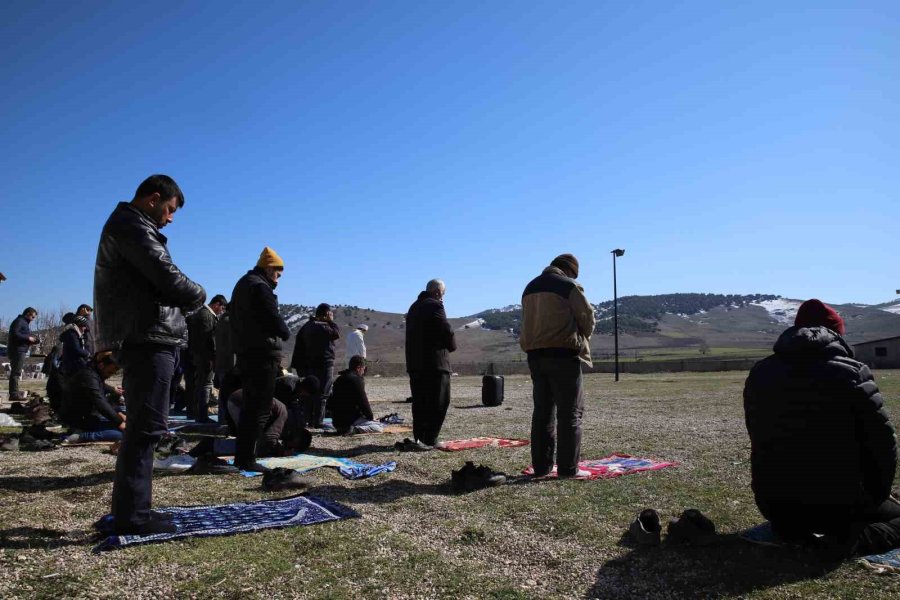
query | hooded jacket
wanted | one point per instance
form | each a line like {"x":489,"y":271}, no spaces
{"x":557,"y":319}
{"x":256,"y":326}
{"x":818,"y":430}
{"x":139,"y":293}
{"x":429,"y":337}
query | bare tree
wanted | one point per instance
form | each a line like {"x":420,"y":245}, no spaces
{"x":47,"y":326}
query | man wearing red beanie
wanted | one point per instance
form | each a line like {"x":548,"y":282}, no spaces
{"x":823,"y":451}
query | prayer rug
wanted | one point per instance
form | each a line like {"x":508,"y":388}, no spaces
{"x":307,"y":462}
{"x":228,"y":519}
{"x":764,"y":535}
{"x":480,"y":442}
{"x":614,"y":465}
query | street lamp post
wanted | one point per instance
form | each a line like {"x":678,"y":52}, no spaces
{"x":615,"y":253}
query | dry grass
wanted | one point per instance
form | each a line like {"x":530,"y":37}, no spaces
{"x":416,"y":540}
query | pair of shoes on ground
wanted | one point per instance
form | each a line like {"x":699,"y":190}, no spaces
{"x":470,"y":478}
{"x":207,"y":464}
{"x":280,"y":478}
{"x":408,"y":445}
{"x":28,"y":443}
{"x":692,"y":527}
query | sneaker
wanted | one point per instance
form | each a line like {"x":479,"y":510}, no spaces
{"x":208,"y":464}
{"x":646,"y":529}
{"x":73,"y":438}
{"x":9,"y":444}
{"x":458,"y":478}
{"x":30,"y":444}
{"x":284,"y":479}
{"x":693,"y":527}
{"x":484,"y":477}
{"x":470,"y":478}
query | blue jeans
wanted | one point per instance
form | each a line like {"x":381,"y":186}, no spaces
{"x":100,"y":435}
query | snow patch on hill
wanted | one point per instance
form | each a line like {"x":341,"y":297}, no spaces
{"x":476,"y":324}
{"x":892,"y":309}
{"x":782,"y":310}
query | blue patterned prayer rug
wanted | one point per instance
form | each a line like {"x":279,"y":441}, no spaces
{"x":763,"y":534}
{"x":228,"y":519}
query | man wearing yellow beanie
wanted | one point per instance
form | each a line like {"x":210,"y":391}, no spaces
{"x":257,"y":330}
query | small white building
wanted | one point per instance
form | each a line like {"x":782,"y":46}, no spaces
{"x":879,"y":354}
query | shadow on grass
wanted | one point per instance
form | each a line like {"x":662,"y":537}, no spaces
{"x":37,"y":485}
{"x":382,"y":493}
{"x":729,"y":567}
{"x":18,"y":538}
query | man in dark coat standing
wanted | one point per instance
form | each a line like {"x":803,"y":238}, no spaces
{"x":823,"y":451}
{"x":257,"y":329}
{"x":202,"y":346}
{"x":139,"y":298}
{"x":429,"y":342}
{"x":20,"y":339}
{"x":314,"y":356}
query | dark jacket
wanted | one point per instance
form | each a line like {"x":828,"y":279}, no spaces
{"x":74,"y":356}
{"x":224,"y":345}
{"x":429,"y":337}
{"x":88,"y":338}
{"x":85,"y":401}
{"x":314,"y":345}
{"x":19,"y":332}
{"x":256,"y":326}
{"x":202,"y":335}
{"x":349,"y":401}
{"x":818,"y":430}
{"x":139,"y":294}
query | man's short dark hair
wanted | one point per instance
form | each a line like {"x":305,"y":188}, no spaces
{"x":322,"y":309}
{"x":162,"y":184}
{"x":88,"y":307}
{"x":29,"y":310}
{"x":356,"y":362}
{"x":218,"y":299}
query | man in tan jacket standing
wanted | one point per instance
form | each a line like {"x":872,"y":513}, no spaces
{"x":557,"y":323}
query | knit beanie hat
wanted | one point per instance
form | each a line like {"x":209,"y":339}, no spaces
{"x":566,"y":262}
{"x":814,"y":313}
{"x":322,"y":309}
{"x":270,"y":258}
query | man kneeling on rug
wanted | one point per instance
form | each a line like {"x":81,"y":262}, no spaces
{"x":824,"y":452}
{"x":349,"y":404}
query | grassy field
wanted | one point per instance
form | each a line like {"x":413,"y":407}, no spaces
{"x":552,"y":539}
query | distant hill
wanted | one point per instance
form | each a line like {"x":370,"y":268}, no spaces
{"x":649,"y":326}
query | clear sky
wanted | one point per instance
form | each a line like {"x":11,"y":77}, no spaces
{"x":728,"y":147}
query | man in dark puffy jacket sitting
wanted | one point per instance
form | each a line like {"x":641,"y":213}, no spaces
{"x":824,"y":452}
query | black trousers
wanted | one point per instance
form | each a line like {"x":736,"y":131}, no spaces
{"x":147,"y":378}
{"x":203,"y":384}
{"x":556,"y":420}
{"x":315,"y":406}
{"x":863,"y":531}
{"x":258,"y":379}
{"x":431,"y":399}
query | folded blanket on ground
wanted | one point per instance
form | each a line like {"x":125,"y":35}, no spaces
{"x":614,"y":465}
{"x":764,"y":535}
{"x":228,"y":519}
{"x":480,"y":442}
{"x":307,"y":462}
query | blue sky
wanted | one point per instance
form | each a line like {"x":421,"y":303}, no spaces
{"x":728,"y":147}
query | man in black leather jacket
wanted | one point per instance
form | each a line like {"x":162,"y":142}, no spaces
{"x":314,"y":357}
{"x":140,"y":298}
{"x":823,"y":451}
{"x":257,"y":330}
{"x":429,"y":342}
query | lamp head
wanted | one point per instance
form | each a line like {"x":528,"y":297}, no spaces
{"x":618,"y":252}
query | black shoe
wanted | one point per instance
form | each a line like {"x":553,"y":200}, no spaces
{"x":693,"y":528}
{"x":284,"y":479}
{"x":151,"y":527}
{"x":646,"y":529}
{"x":29,"y":444}
{"x":470,"y":478}
{"x":205,"y":446}
{"x":155,"y":515}
{"x":211,"y":465}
